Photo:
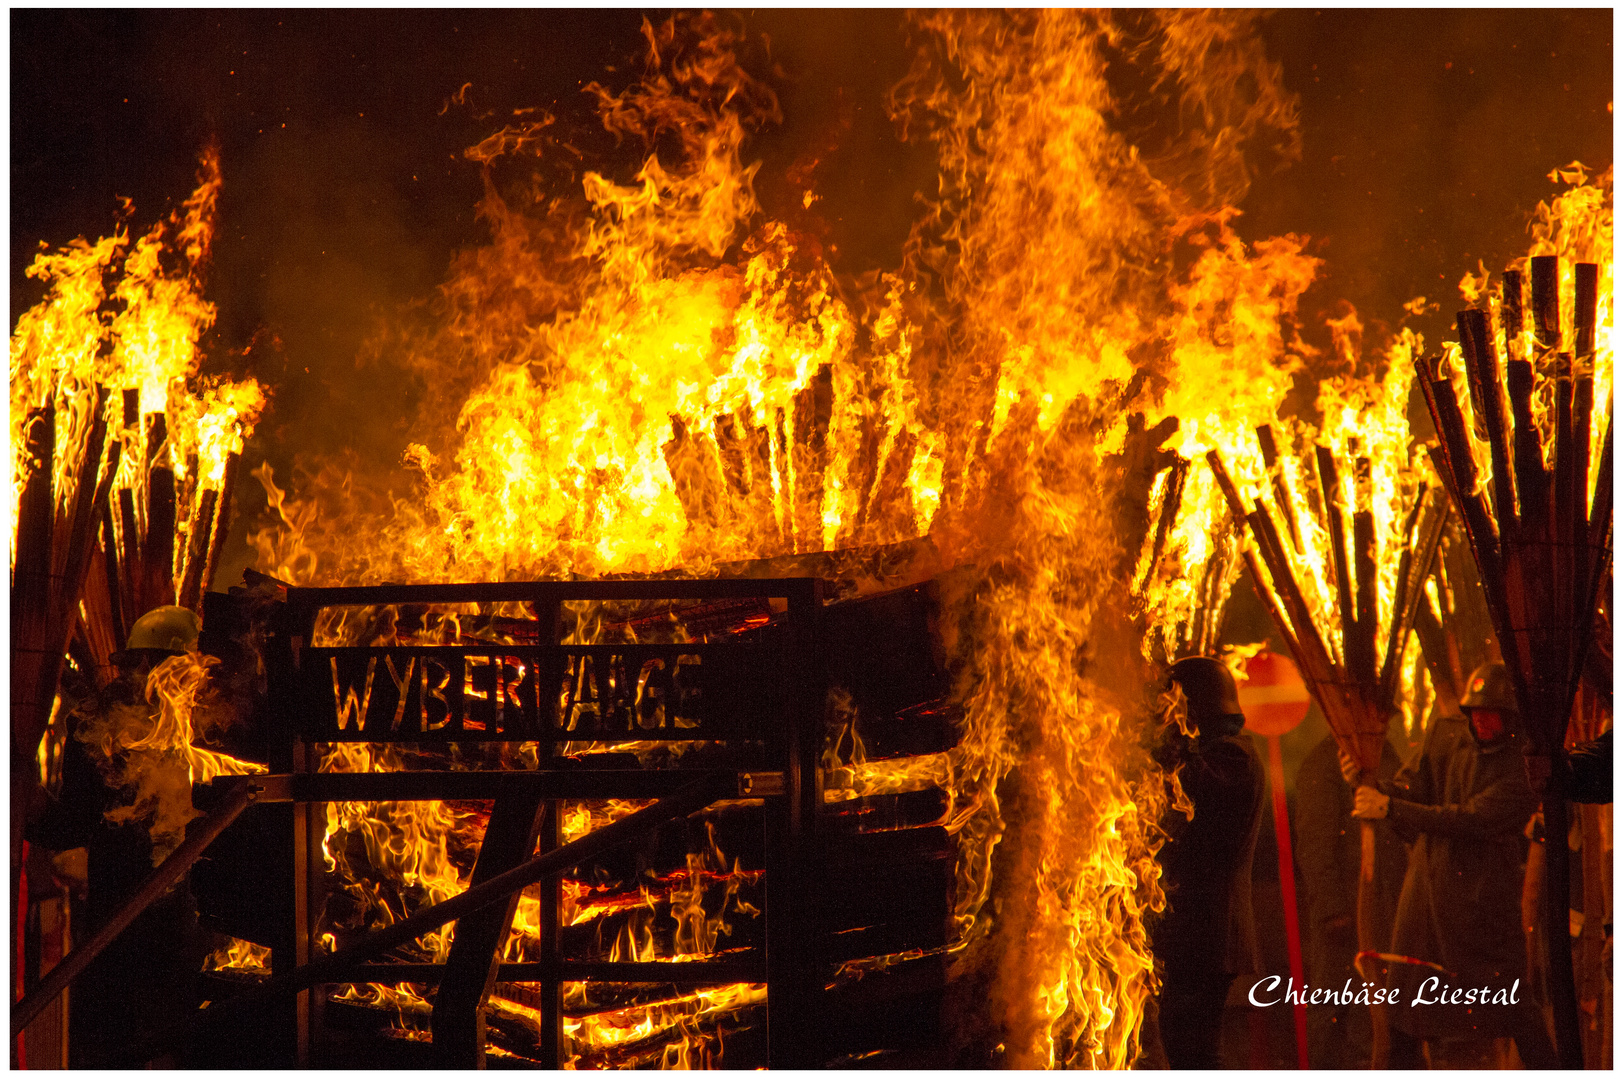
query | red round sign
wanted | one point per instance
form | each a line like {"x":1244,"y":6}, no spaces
{"x":1273,"y":697}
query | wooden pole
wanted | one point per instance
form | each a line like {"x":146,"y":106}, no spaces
{"x":1330,"y":485}
{"x":1557,"y":899}
{"x":222,"y":520}
{"x":1482,"y":365}
{"x":1276,"y":474}
{"x":198,"y":545}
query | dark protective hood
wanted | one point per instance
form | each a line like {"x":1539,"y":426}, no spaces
{"x":1210,"y":691}
{"x":1220,"y":725}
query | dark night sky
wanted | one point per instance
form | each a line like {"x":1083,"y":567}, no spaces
{"x":1426,"y":135}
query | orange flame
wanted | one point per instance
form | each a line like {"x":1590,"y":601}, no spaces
{"x":143,"y":337}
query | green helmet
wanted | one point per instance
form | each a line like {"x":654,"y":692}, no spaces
{"x":1208,"y":686}
{"x":1490,"y":688}
{"x":169,"y":629}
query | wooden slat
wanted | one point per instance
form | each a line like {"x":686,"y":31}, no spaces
{"x":36,"y":522}
{"x":1276,"y":473}
{"x":1532,"y":484}
{"x":158,"y":547}
{"x":99,"y":627}
{"x":1461,"y":473}
{"x":1171,"y":501}
{"x":686,"y":973}
{"x":1546,"y":300}
{"x":90,"y":489}
{"x":1225,"y":484}
{"x":199,"y":541}
{"x":1418,"y":559}
{"x":117,"y":621}
{"x":31,"y":592}
{"x":133,"y":563}
{"x":1510,"y":310}
{"x":1482,"y":367}
{"x":1600,"y":528}
{"x":470,"y":971}
{"x":1584,"y":284}
{"x":221,"y":528}
{"x":1316,"y":662}
{"x":1563,"y":566}
{"x":1330,"y":487}
{"x":1271,"y":602}
{"x":1366,"y":673}
{"x":456,"y":785}
{"x":310,"y":600}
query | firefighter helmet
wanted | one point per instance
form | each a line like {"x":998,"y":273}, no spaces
{"x":169,"y":629}
{"x":1208,"y":686}
{"x":1490,"y":688}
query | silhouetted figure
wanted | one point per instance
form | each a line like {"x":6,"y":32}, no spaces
{"x":1460,"y":908}
{"x":1329,"y":842}
{"x":147,"y":979}
{"x":1206,"y":937}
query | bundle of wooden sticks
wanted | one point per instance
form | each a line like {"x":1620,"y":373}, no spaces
{"x":1539,"y":526}
{"x":107,"y":529}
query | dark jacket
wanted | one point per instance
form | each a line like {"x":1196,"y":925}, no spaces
{"x":1206,"y":867}
{"x":1329,"y":840}
{"x":1590,"y":768}
{"x":1461,"y":900}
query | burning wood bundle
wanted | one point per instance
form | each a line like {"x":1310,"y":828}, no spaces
{"x":123,"y":461}
{"x":1527,"y":454}
{"x":1344,"y":611}
{"x":1350,"y":665}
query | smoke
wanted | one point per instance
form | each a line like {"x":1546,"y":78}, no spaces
{"x":1078,"y":258}
{"x":144,"y":746}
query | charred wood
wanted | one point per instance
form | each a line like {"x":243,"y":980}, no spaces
{"x":132,"y":565}
{"x":158,"y":549}
{"x":1482,"y":368}
{"x":198,"y":545}
{"x":220,"y":528}
{"x":1270,"y":460}
{"x":1584,"y":282}
{"x":1330,"y":486}
{"x":1546,"y":301}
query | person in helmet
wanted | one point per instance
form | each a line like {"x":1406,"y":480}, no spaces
{"x":161,"y":633}
{"x":1460,"y":907}
{"x":1206,"y":936}
{"x":146,"y":979}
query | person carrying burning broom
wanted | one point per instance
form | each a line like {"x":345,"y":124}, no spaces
{"x":1459,"y":910}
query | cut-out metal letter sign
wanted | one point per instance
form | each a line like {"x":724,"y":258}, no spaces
{"x":585,"y":692}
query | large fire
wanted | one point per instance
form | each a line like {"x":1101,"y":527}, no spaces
{"x":654,"y":377}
